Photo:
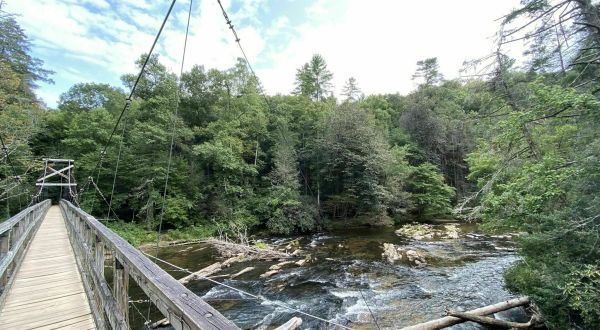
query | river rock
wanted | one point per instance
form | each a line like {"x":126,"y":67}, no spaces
{"x":419,"y":231}
{"x":451,"y":232}
{"x":391,"y":252}
{"x":415,"y":257}
{"x":301,"y":262}
{"x":394,"y":253}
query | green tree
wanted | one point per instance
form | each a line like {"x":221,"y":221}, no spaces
{"x":89,"y":96}
{"x":313,"y":79}
{"x":429,"y":71}
{"x":353,"y":164}
{"x":284,"y":209}
{"x":545,"y":182}
{"x":20,"y":112}
{"x":15,"y":51}
{"x":430,"y":195}
{"x":351,"y":90}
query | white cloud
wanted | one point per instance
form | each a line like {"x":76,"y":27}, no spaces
{"x":77,"y":32}
{"x":145,"y":20}
{"x":210,"y":41}
{"x":142,"y":4}
{"x":378,"y":42}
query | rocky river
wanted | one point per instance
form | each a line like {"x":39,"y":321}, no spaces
{"x":361,"y":278}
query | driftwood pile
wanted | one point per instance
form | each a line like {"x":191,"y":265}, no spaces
{"x":229,"y":249}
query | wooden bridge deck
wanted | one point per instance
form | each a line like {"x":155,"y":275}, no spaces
{"x":48,"y":291}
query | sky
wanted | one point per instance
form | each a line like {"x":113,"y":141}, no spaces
{"x":378,"y":42}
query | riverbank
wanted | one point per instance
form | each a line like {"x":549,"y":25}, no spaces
{"x":139,"y":236}
{"x":462,"y":271}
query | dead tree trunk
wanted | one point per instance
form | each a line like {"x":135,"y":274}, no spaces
{"x":451,"y":320}
{"x":492,"y":321}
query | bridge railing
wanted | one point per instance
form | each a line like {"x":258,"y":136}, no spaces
{"x":15,"y":234}
{"x":92,"y":241}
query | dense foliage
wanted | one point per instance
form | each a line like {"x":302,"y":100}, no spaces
{"x":517,"y":148}
{"x":537,"y":163}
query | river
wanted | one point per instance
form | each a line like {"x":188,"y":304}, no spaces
{"x":348,"y":281}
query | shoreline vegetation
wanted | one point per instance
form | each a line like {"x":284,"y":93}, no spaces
{"x":137,"y":235}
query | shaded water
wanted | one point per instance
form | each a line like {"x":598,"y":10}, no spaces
{"x":347,"y":274}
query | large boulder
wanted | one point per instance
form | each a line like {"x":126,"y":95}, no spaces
{"x":395,"y":253}
{"x":420,"y":231}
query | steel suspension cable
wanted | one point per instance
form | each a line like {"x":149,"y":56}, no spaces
{"x":237,"y":40}
{"x":259,"y":86}
{"x":112,"y":191}
{"x":6,"y":156}
{"x":14,"y":172}
{"x":173,"y":128}
{"x":369,"y":308}
{"x":131,"y":93}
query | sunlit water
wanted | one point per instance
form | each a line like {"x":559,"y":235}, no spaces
{"x":348,"y":275}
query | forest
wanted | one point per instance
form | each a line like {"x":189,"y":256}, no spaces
{"x":514,"y":146}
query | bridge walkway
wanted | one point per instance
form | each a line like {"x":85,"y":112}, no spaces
{"x":48,"y":292}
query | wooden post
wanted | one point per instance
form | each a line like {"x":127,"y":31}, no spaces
{"x":4,"y":248}
{"x":99,"y":265}
{"x":121,"y":289}
{"x":15,"y":234}
{"x":99,"y":256}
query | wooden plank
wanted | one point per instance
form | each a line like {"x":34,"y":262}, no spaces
{"x":56,"y":184}
{"x":67,"y":282}
{"x":72,"y":299}
{"x":54,"y":172}
{"x":32,"y":297}
{"x":51,"y":318}
{"x":33,"y":274}
{"x":46,"y":279}
{"x":58,"y":160}
{"x":47,"y":291}
{"x":25,"y":315}
{"x":74,"y":324}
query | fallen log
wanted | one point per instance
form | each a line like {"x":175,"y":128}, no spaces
{"x":292,"y":324}
{"x":452,"y":320}
{"x":209,"y":270}
{"x":159,"y":323}
{"x":204,"y":272}
{"x":243,"y":271}
{"x":491,"y":321}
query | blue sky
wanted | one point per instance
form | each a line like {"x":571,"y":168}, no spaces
{"x":378,"y":42}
